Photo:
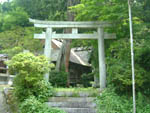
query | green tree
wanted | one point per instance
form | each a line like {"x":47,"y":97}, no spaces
{"x":17,"y":17}
{"x":19,"y":37}
{"x":118,"y":59}
{"x":44,"y":9}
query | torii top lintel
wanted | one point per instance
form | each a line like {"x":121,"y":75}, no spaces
{"x":69,"y":24}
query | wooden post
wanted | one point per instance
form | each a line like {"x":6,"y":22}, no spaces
{"x":47,"y":49}
{"x":102,"y":66}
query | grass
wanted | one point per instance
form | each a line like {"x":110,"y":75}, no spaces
{"x":76,"y":91}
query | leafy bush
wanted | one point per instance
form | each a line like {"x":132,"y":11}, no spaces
{"x":17,"y":17}
{"x":119,"y":66}
{"x":120,"y":76}
{"x":86,"y":79}
{"x":32,"y":105}
{"x":58,"y":79}
{"x":143,"y":58}
{"x":42,"y":89}
{"x":110,"y":102}
{"x":29,"y":79}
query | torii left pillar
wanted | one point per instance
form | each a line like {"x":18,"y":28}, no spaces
{"x":47,"y":49}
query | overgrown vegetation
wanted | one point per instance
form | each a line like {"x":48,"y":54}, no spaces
{"x":32,"y":105}
{"x":29,"y":79}
{"x":30,"y":88}
{"x":118,"y":57}
{"x":118,"y":51}
{"x":87,"y":79}
{"x":77,"y":92}
{"x":110,"y":102}
{"x":119,"y":66}
{"x":58,"y":78}
{"x":15,"y":29}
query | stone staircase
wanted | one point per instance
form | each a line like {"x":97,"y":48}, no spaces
{"x":83,"y":103}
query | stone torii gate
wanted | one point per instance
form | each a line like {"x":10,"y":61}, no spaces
{"x":100,"y":35}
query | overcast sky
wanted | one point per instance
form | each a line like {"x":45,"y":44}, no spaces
{"x":3,"y":0}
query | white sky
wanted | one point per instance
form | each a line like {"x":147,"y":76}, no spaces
{"x":1,"y":1}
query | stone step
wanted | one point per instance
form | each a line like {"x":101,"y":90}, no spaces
{"x":71,"y":99}
{"x":79,"y":110}
{"x":72,"y":104}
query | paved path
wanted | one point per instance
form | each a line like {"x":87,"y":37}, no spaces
{"x":2,"y":105}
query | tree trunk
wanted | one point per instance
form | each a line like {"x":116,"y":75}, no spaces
{"x":70,"y":17}
{"x":64,"y":55}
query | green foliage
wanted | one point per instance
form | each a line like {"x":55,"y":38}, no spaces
{"x":86,"y":79}
{"x":29,"y":79}
{"x":118,"y":51}
{"x":17,"y":17}
{"x":110,"y":102}
{"x":30,"y":87}
{"x":13,"y":51}
{"x":30,"y":64}
{"x":58,"y":79}
{"x":44,"y":9}
{"x":119,"y":74}
{"x":119,"y":65}
{"x":32,"y":105}
{"x":101,"y":10}
{"x":143,"y":58}
{"x":5,"y":7}
{"x":19,"y":39}
{"x":76,"y":91}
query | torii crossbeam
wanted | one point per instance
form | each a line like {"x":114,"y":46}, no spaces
{"x":100,"y":35}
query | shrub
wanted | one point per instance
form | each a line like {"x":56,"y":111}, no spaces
{"x":119,"y":66}
{"x":28,"y":65}
{"x":143,"y":59}
{"x":29,"y":79}
{"x":58,"y":79}
{"x":86,"y":79}
{"x":42,"y":89}
{"x":32,"y":105}
{"x":110,"y":102}
{"x":120,"y":76}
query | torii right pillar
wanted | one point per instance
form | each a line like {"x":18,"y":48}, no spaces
{"x":102,"y":65}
